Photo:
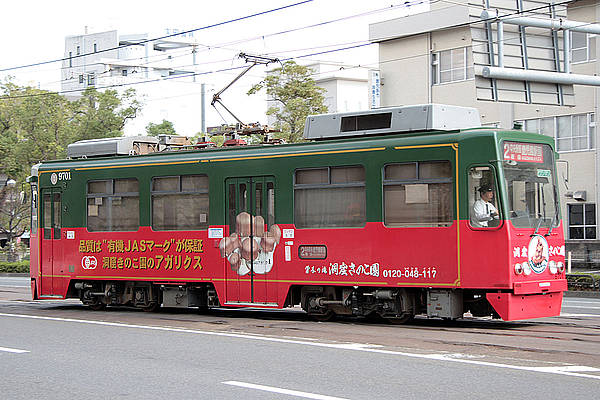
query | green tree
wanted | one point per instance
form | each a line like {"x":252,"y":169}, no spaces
{"x":34,"y":126}
{"x":103,"y":114}
{"x":297,"y":96}
{"x":164,"y":128}
{"x":13,"y":218}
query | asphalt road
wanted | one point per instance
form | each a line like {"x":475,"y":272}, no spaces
{"x":60,"y":349}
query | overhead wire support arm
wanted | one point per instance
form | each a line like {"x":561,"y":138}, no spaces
{"x":248,"y":58}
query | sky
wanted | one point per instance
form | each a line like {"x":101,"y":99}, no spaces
{"x":36,"y":32}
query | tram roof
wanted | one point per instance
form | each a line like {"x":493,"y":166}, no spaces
{"x":298,"y":149}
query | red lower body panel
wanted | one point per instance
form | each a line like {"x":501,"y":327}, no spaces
{"x":512,"y":307}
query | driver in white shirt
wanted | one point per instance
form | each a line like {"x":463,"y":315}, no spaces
{"x":483,"y":210}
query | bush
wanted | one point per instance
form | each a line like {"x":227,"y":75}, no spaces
{"x":14,"y":267}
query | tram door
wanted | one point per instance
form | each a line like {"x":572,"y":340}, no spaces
{"x":51,"y":247}
{"x":250,"y":215}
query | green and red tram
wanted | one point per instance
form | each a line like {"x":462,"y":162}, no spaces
{"x":375,"y":214}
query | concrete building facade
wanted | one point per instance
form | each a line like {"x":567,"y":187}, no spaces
{"x":109,"y":60}
{"x":439,"y":57}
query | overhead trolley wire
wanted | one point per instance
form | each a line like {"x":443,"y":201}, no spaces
{"x":221,"y":46}
{"x":161,"y":37}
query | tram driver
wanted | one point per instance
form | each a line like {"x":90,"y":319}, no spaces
{"x":483,"y":210}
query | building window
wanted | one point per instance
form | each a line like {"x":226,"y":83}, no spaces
{"x":81,"y":78}
{"x":571,"y":132}
{"x":180,"y":202}
{"x":452,"y":65}
{"x":330,"y":197}
{"x":582,"y":221}
{"x":124,"y":72}
{"x":70,"y":59}
{"x":91,"y":79}
{"x":78,"y":50}
{"x":113,"y":205}
{"x":583,"y":47}
{"x":418,"y":194}
{"x":95,"y":48}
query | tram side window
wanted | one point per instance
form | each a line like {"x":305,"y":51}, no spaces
{"x":418,"y":194}
{"x":180,"y":202}
{"x":113,"y":205}
{"x":483,"y":204}
{"x":330,"y":197}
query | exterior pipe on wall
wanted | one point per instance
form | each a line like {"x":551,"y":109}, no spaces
{"x":567,"y":51}
{"x":555,"y":24}
{"x":500,"y":43}
{"x":538,"y":76}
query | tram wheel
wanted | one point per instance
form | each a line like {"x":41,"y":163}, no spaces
{"x":99,"y":306}
{"x":153,"y":307}
{"x":328,"y":315}
{"x":403,"y":319}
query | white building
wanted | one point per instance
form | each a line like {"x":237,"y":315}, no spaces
{"x":108,"y":60}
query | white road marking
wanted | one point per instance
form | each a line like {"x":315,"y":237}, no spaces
{"x":578,"y":315}
{"x":9,"y":350}
{"x":588,"y":307}
{"x":566,"y":302}
{"x":339,"y":346}
{"x":282,"y":391}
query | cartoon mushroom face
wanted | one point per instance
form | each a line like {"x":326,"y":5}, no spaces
{"x":258,"y":226}
{"x":242,"y":222}
{"x":539,"y":253}
{"x":275,"y":232}
{"x":250,"y":249}
{"x":229,"y":244}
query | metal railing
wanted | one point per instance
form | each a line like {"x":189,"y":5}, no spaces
{"x":583,"y":282}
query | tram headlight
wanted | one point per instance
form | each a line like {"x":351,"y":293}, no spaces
{"x":518,"y":269}
{"x":552,"y":266}
{"x":561,"y":266}
{"x":526,"y":268}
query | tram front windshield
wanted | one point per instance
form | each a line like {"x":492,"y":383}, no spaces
{"x":532,"y":196}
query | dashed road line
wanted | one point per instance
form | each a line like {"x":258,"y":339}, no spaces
{"x":289,"y":392}
{"x":9,"y":350}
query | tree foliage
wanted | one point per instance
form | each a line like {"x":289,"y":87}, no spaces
{"x":103,"y":114}
{"x":296,"y":96}
{"x":13,"y":218}
{"x":164,"y":128}
{"x":37,"y":125}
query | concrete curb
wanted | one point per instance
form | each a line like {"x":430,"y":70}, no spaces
{"x":12,"y":274}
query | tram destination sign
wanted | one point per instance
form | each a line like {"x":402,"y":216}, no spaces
{"x":523,"y":152}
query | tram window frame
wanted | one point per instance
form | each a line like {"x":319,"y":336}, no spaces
{"x":194,"y":205}
{"x":102,"y":204}
{"x":474,"y":195}
{"x":333,"y":192}
{"x":392,"y":187}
